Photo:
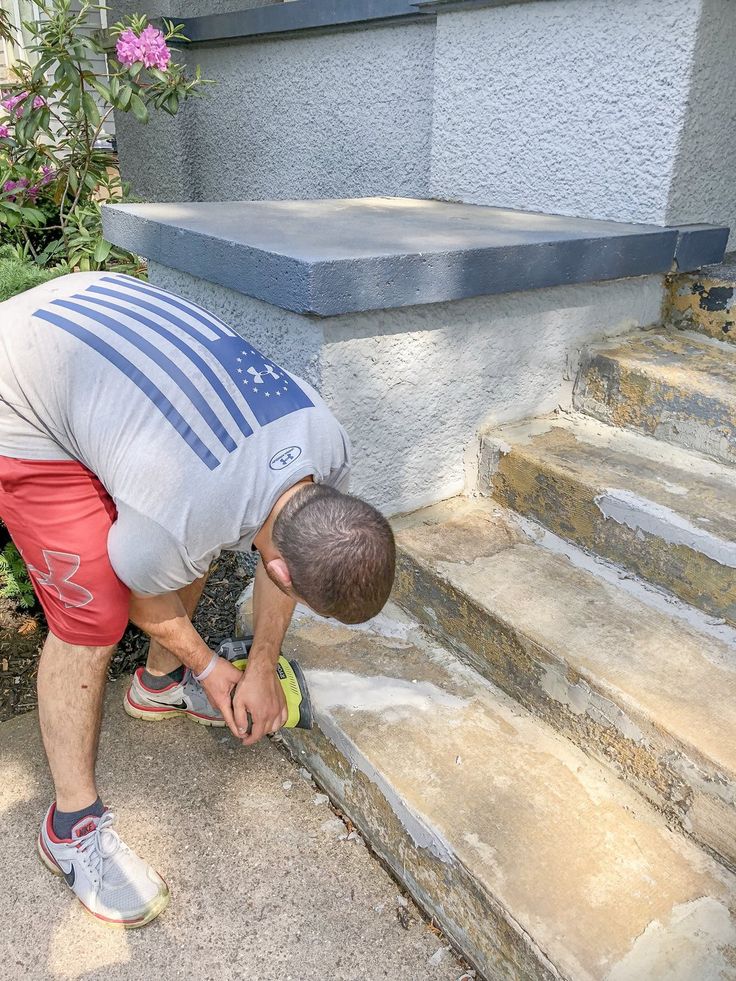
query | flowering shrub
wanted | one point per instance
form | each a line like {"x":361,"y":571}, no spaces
{"x":54,"y":174}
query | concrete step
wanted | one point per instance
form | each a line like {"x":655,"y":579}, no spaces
{"x":536,"y":860}
{"x":646,"y":685}
{"x":672,"y":386}
{"x":704,"y":301}
{"x":666,"y":514}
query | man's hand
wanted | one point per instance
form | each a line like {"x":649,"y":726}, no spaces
{"x":259,"y":693}
{"x":218,"y":686}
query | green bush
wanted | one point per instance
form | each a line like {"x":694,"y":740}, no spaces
{"x":14,"y":582}
{"x":17,"y":275}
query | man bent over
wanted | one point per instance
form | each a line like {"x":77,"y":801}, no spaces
{"x":139,"y":436}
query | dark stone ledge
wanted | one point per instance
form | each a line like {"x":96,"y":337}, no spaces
{"x":342,"y":256}
{"x":298,"y":15}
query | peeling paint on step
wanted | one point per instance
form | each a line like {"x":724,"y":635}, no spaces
{"x":582,"y":700}
{"x":645,"y":516}
{"x":698,"y":942}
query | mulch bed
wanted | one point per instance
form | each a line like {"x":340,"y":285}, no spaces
{"x":22,"y":636}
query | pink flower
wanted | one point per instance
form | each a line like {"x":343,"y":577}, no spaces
{"x":33,"y":192}
{"x":14,"y":103}
{"x":48,"y":175}
{"x":18,"y":185}
{"x":4,"y":132}
{"x":11,"y":101}
{"x":150,"y":48}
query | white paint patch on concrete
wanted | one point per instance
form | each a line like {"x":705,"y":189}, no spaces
{"x":694,"y":944}
{"x":396,"y":627}
{"x":639,"y":589}
{"x":376,"y":693}
{"x":671,"y":488}
{"x":582,"y":700}
{"x":709,"y":784}
{"x":646,"y":516}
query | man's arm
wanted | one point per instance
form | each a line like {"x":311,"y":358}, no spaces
{"x":259,"y":692}
{"x":165,"y":620}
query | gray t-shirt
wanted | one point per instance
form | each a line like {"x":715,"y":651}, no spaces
{"x":193,"y":433}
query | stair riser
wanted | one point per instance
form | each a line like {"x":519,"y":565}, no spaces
{"x":621,"y":395}
{"x":706,"y":305}
{"x":568,"y":507}
{"x":659,"y":767}
{"x":444,"y":889}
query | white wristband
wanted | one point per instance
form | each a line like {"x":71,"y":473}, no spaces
{"x":209,"y":669}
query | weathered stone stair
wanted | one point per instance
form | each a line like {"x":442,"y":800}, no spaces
{"x":542,"y":744}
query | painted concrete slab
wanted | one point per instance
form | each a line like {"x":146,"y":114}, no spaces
{"x":264,"y":884}
{"x":339,"y":256}
{"x":645,"y":686}
{"x":664,"y":513}
{"x":671,"y":386}
{"x":538,"y":861}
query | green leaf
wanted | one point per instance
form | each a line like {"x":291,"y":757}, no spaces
{"x":102,"y":250}
{"x":90,"y":109}
{"x":139,"y":109}
{"x":126,"y":93}
{"x":103,"y":91}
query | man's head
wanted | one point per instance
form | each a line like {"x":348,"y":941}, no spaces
{"x":339,"y":552}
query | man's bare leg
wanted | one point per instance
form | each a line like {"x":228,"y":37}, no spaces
{"x":161,"y":661}
{"x":71,"y":687}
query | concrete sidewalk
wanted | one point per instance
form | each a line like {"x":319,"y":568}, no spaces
{"x":263,"y":887}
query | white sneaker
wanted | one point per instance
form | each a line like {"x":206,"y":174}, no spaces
{"x":108,"y":879}
{"x":186,"y":697}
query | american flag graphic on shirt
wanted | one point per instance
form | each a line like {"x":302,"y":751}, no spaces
{"x":201,"y":376}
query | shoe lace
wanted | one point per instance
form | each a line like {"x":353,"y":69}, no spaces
{"x":98,"y":846}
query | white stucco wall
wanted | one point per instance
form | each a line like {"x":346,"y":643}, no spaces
{"x":570,"y":107}
{"x":703,"y":184}
{"x":413,"y":386}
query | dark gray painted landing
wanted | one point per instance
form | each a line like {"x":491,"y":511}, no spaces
{"x":332,"y":257}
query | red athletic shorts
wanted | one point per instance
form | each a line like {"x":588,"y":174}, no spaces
{"x":59,"y":515}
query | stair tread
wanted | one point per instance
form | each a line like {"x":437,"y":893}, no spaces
{"x":587,"y":875}
{"x":678,"y":387}
{"x":626,"y":466}
{"x":679,"y":360}
{"x":658,"y":666}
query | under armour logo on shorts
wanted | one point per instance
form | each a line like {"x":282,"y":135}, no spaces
{"x":60,"y":567}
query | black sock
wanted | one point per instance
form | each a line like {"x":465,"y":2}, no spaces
{"x":159,"y":683}
{"x":64,"y":821}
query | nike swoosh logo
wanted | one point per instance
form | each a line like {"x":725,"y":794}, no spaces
{"x":68,"y":873}
{"x":174,"y":705}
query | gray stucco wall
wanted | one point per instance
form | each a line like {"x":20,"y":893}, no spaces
{"x":570,"y":107}
{"x":321,"y":115}
{"x":413,"y":386}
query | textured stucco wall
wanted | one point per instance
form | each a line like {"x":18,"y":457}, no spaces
{"x":345,"y":114}
{"x":321,"y":115}
{"x":413,"y":386}
{"x":571,"y":107}
{"x":704,"y":181}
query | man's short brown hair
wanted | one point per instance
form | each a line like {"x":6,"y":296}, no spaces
{"x":340,"y":552}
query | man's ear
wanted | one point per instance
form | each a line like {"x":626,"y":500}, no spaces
{"x":279,"y":571}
